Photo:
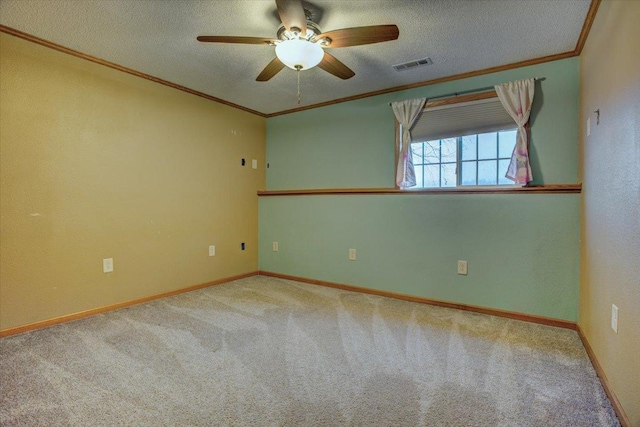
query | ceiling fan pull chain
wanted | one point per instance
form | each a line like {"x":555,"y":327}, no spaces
{"x":298,"y":73}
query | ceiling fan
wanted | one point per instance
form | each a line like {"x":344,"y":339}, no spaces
{"x":300,"y":44}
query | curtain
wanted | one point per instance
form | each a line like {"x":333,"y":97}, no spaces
{"x":517,"y":98}
{"x":406,"y":113}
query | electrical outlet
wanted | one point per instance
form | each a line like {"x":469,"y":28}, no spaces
{"x":614,"y":318}
{"x":212,"y":250}
{"x":462,"y":267}
{"x":107,"y":265}
{"x":352,"y":254}
{"x":588,"y":126}
{"x":275,"y":246}
{"x":254,"y":164}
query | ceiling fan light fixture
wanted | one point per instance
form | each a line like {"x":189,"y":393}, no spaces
{"x":299,"y":54}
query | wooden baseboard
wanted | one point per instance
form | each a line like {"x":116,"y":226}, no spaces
{"x":622,"y":416}
{"x":491,"y":311}
{"x":80,"y":315}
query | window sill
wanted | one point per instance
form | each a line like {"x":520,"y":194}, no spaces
{"x":553,"y":188}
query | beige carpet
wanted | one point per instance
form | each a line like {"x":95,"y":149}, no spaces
{"x":268,"y":352}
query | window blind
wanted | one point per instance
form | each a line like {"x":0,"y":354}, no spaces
{"x":466,"y":118}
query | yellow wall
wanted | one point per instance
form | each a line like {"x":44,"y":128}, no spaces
{"x":610,"y":252}
{"x":96,"y":163}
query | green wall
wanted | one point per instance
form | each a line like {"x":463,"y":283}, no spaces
{"x":522,"y":249}
{"x":352,"y":144}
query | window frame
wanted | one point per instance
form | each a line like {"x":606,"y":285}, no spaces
{"x":458,"y":99}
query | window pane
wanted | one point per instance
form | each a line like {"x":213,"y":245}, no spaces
{"x":416,"y":151}
{"x":432,"y":152}
{"x":469,"y":147}
{"x":503,"y":165}
{"x":468,"y":173}
{"x":449,"y":149}
{"x":418,"y":170}
{"x":432,"y":176}
{"x":448,"y":174}
{"x":507,"y":142}
{"x":437,"y":163}
{"x":487,"y":145}
{"x":487,"y":171}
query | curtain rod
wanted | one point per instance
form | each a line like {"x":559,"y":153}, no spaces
{"x":466,"y":92}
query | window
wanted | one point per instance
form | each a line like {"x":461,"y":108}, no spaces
{"x":463,"y":142}
{"x":480,"y":159}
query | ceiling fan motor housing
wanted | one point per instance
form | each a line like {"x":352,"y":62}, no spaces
{"x":312,"y":31}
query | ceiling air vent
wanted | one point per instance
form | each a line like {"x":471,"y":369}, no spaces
{"x":413,"y":64}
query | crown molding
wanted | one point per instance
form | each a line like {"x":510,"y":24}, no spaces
{"x":113,"y":65}
{"x":586,"y":27}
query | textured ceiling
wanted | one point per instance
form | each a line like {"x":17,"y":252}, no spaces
{"x":159,"y":38}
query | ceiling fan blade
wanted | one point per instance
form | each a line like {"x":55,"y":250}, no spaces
{"x":270,"y":70}
{"x":361,"y":35}
{"x":233,"y":39}
{"x":333,"y":66}
{"x":292,"y":14}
